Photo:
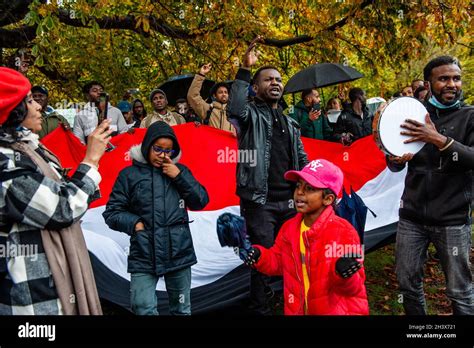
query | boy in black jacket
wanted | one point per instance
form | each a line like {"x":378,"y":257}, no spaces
{"x":435,"y":205}
{"x":148,"y":202}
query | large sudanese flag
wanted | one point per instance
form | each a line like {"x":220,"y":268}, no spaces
{"x":219,"y":278}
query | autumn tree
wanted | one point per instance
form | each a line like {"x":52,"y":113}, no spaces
{"x":133,"y":43}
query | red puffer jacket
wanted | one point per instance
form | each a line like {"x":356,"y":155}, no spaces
{"x":328,"y":294}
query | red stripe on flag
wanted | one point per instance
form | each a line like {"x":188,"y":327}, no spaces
{"x":360,"y":162}
{"x":204,"y":148}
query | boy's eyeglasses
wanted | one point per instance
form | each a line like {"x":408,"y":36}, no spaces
{"x":159,"y":151}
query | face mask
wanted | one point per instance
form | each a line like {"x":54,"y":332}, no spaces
{"x":435,"y":102}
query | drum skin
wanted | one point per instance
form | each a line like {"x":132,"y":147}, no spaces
{"x":387,"y":121}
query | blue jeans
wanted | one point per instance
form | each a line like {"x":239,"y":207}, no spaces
{"x":178,"y":287}
{"x":453,"y":245}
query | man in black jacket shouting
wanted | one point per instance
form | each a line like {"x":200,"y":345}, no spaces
{"x":265,"y":196}
{"x":435,"y":205}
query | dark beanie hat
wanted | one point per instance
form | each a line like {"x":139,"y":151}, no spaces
{"x":157,"y":130}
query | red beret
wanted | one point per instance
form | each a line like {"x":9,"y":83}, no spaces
{"x":13,"y":89}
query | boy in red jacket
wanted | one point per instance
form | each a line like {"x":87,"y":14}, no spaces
{"x":320,"y":277}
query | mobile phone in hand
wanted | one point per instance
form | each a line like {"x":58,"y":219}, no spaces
{"x":103,"y":104}
{"x":316,"y":107}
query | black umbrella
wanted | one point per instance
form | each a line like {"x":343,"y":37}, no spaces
{"x":176,"y":87}
{"x":321,"y":75}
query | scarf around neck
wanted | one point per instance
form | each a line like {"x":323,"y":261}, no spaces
{"x":437,"y":104}
{"x":26,"y":135}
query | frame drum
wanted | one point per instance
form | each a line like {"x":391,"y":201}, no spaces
{"x":387,"y":121}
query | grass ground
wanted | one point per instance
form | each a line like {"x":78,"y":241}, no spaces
{"x":382,"y":286}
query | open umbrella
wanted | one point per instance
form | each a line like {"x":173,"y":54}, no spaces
{"x":177,"y":87}
{"x":321,"y":75}
{"x":374,"y":103}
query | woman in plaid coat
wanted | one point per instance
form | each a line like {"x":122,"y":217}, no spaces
{"x":31,"y":202}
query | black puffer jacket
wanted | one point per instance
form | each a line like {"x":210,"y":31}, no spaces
{"x":143,"y":193}
{"x":253,"y":122}
{"x":438,"y":184}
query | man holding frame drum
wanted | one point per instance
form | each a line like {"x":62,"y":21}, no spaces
{"x":435,"y":205}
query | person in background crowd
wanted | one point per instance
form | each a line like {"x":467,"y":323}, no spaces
{"x":182,"y":108}
{"x":125,"y":108}
{"x":396,"y":95}
{"x":415,"y":84}
{"x":333,"y":104}
{"x":161,"y":113}
{"x":51,"y":119}
{"x":124,"y":104}
{"x":308,"y":114}
{"x":41,"y":208}
{"x":139,"y":112}
{"x":93,"y":114}
{"x":213,"y":114}
{"x":421,"y":93}
{"x":356,"y":121}
{"x":125,"y":101}
{"x":407,"y":91}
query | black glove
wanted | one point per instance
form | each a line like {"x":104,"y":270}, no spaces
{"x":347,"y":266}
{"x":249,"y":256}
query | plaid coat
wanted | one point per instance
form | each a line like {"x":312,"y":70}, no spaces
{"x":30,"y":202}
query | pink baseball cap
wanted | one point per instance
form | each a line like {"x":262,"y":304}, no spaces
{"x":319,"y":173}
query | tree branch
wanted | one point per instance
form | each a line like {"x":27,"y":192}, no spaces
{"x":51,"y":71}
{"x":443,"y":23}
{"x":288,"y":42}
{"x":130,"y":23}
{"x":14,"y":38}
{"x":55,"y":75}
{"x":17,"y":38}
{"x":367,"y":58}
{"x":13,"y":11}
{"x":306,"y":38}
{"x":463,"y":44}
